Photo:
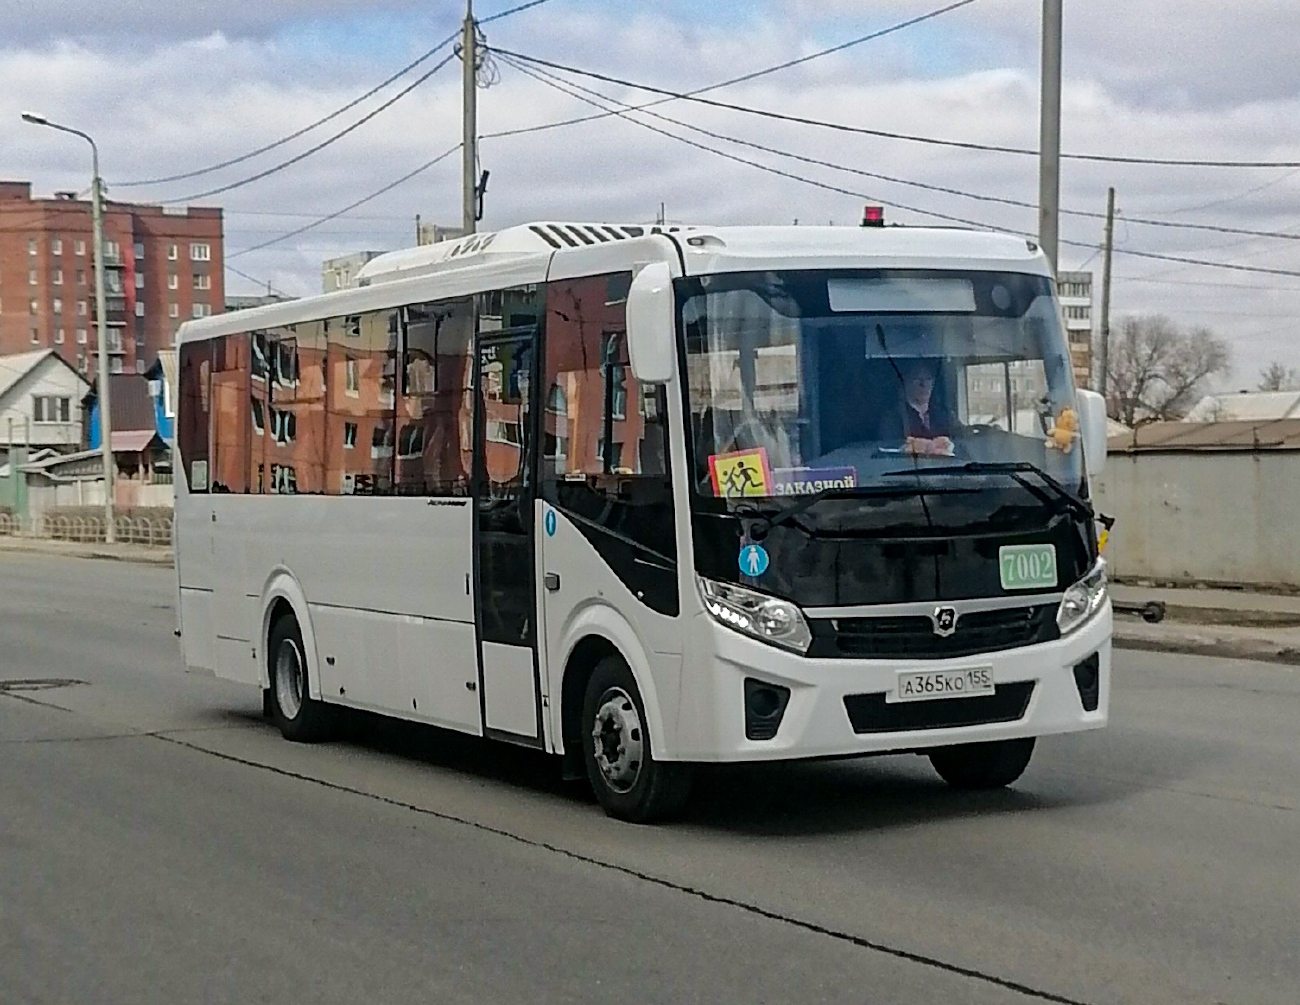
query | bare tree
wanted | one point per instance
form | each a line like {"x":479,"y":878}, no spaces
{"x":1278,"y":377}
{"x":1157,"y":370}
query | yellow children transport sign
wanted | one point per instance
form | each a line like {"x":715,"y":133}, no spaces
{"x":740,"y":474}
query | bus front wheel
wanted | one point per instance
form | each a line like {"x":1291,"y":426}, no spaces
{"x":299,"y":717}
{"x":629,"y":783}
{"x":983,"y":765}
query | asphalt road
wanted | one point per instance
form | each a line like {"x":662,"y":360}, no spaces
{"x":160,"y":843}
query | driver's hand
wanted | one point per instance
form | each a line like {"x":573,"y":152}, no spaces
{"x":940,"y":446}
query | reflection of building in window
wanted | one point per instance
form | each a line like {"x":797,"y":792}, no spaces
{"x":261,"y":366}
{"x":381,"y":441}
{"x":410,"y":443}
{"x":499,"y":431}
{"x":557,"y":402}
{"x":615,"y":375}
{"x":286,"y":364}
{"x":284,"y":426}
{"x":349,"y":435}
{"x":615,"y":453}
{"x":436,"y":396}
{"x":259,"y":417}
{"x":284,"y":480}
{"x":352,"y":381}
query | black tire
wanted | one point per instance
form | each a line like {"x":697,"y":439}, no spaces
{"x":299,"y":717}
{"x":983,"y":765}
{"x":629,"y":783}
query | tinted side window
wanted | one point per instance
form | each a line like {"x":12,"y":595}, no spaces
{"x":605,"y":438}
{"x":435,"y":400}
{"x":360,"y":380}
{"x":194,"y":420}
{"x":229,"y":397}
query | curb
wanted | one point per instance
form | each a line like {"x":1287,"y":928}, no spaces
{"x":1231,"y":617}
{"x":1255,"y":648}
{"x":140,"y":556}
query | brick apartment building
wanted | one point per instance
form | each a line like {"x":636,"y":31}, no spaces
{"x":162,"y":267}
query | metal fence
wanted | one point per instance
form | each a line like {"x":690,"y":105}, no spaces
{"x":151,"y":531}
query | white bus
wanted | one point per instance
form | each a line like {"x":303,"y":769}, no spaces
{"x":652,"y":497}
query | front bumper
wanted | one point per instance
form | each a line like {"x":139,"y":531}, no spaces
{"x":816,"y":722}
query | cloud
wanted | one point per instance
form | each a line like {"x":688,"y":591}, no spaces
{"x":37,"y":22}
{"x":1162,"y":53}
{"x":217,"y":89}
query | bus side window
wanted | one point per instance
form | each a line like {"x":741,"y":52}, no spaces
{"x":604,"y":448}
{"x":435,"y":400}
{"x":360,"y":359}
{"x":193,"y":421}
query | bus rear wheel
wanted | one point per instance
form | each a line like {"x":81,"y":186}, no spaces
{"x":629,"y":783}
{"x":983,"y":765}
{"x":299,"y":717}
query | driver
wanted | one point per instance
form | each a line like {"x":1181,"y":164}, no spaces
{"x":922,"y":424}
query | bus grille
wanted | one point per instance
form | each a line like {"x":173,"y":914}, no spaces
{"x":870,"y":713}
{"x":910,"y":636}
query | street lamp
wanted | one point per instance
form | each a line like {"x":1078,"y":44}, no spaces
{"x":105,"y":412}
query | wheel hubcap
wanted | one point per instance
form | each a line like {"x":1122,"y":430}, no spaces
{"x":288,"y":679}
{"x":618,"y":740}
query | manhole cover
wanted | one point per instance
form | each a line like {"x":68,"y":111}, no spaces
{"x":38,"y":683}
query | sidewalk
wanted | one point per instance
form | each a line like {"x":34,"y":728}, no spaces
{"x":70,"y":549}
{"x":1233,"y":624}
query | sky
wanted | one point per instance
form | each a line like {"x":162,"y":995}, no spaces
{"x":170,"y":88}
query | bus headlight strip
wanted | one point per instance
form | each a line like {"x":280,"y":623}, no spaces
{"x":1083,"y":599}
{"x":768,"y":619}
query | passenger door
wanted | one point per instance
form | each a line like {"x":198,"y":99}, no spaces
{"x":504,"y":545}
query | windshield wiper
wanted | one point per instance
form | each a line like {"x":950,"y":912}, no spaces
{"x":763,"y":518}
{"x":1013,"y":469}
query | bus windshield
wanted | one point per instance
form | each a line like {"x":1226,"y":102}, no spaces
{"x":801,"y":381}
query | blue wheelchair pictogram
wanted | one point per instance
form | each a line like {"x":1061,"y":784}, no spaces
{"x":550,"y":522}
{"x":753,"y":560}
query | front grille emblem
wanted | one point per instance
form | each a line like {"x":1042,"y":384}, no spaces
{"x":945,"y":621}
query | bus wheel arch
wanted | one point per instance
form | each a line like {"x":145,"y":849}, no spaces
{"x":284,"y":597}
{"x":654,"y":789}
{"x":578,"y":668}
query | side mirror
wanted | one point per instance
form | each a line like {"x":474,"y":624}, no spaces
{"x":1093,"y":426}
{"x":651,"y":325}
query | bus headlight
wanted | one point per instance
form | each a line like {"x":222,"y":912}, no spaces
{"x":756,"y":614}
{"x":1083,"y":599}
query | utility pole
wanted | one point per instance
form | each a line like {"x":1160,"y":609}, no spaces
{"x":105,"y":412}
{"x":1049,"y":147}
{"x":469,"y":150}
{"x":1103,"y":363}
{"x":101,"y":308}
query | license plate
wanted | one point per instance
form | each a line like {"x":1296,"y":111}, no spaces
{"x":927,"y":685}
{"x":1028,"y":566}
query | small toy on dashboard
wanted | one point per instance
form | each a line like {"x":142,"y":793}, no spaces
{"x":1064,"y":431}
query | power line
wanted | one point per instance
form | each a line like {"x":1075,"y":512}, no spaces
{"x":253,"y":279}
{"x":757,"y":164}
{"x":346,"y":209}
{"x":513,"y":10}
{"x":319,"y":146}
{"x":924,"y":212}
{"x":946,"y":190}
{"x":884,"y":134}
{"x":743,"y":78}
{"x":1160,"y":281}
{"x":331,"y":116}
{"x":1240,"y":195}
{"x":294,"y":135}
